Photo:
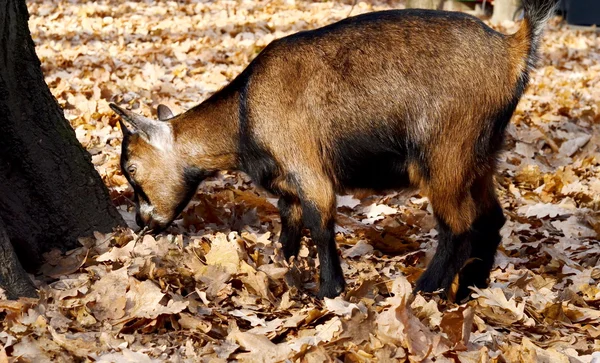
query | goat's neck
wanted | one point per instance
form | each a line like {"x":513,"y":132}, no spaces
{"x":206,"y":136}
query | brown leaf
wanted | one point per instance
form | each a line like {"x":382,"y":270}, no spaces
{"x":188,"y":321}
{"x":107,"y":296}
{"x":261,"y":349}
{"x":224,"y":253}
{"x":143,"y":301}
{"x":397,"y":325}
{"x":457,"y":325}
{"x":3,"y":356}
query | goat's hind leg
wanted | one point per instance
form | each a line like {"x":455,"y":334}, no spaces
{"x":454,"y":209}
{"x":485,"y":240}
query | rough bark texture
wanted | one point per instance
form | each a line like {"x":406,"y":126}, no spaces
{"x":13,"y":278}
{"x":425,"y":4}
{"x":50,"y":193}
{"x":505,"y":10}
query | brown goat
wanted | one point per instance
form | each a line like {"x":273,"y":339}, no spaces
{"x":379,"y":101}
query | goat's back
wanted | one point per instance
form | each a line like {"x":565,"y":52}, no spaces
{"x":381,"y":84}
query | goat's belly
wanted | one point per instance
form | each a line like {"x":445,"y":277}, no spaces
{"x":377,"y":172}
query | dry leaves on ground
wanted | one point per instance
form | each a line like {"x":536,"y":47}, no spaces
{"x":216,"y":286}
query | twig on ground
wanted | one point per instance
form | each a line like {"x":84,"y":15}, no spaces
{"x":141,"y":235}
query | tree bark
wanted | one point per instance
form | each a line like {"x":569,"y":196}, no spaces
{"x":505,"y":10}
{"x":425,"y":4}
{"x":50,"y":193}
{"x":13,"y":278}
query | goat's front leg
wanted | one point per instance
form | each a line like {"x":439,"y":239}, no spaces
{"x":317,"y":198}
{"x":290,"y":211}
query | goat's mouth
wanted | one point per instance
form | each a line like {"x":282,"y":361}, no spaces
{"x":153,"y":224}
{"x":157,"y":223}
{"x":157,"y":228}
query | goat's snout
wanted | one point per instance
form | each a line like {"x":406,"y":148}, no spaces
{"x":149,"y":220}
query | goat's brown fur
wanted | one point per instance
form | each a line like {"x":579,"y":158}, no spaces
{"x":380,"y":101}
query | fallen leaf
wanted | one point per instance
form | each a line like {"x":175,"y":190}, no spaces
{"x":143,"y":301}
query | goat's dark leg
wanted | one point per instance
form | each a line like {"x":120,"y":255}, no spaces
{"x":331,"y":278}
{"x":455,"y":211}
{"x":317,"y":198}
{"x":290,"y":211}
{"x":452,"y":252}
{"x":485,"y":240}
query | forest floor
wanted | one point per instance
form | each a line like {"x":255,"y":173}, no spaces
{"x":215,"y":286}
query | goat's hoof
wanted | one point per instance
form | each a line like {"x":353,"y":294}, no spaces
{"x":429,"y":285}
{"x":331,"y":289}
{"x":425,"y":284}
{"x":289,"y":252}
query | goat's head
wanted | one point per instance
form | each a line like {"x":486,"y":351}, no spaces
{"x":162,"y":181}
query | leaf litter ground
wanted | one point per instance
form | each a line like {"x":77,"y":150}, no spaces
{"x":215,"y":287}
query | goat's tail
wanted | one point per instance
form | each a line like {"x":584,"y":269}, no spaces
{"x":527,"y":39}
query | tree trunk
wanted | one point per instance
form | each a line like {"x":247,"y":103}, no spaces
{"x":13,"y":278}
{"x":425,"y":4}
{"x":505,"y":10}
{"x":50,"y":193}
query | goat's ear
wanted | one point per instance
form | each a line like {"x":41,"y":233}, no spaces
{"x":124,"y":129}
{"x":156,"y":132}
{"x":164,"y":112}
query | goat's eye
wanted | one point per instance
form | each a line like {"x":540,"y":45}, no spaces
{"x":131,"y":169}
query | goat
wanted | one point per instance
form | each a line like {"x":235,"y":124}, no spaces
{"x":379,"y":101}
